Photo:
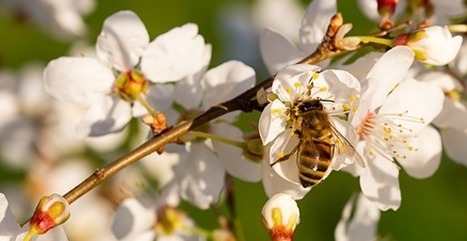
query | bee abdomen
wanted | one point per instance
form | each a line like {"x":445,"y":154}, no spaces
{"x":314,"y":174}
{"x":313,"y":166}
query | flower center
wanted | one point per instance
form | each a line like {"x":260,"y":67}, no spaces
{"x":169,"y":220}
{"x":130,"y":85}
{"x":386,"y":136}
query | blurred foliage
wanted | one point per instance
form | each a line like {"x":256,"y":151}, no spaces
{"x":432,"y":209}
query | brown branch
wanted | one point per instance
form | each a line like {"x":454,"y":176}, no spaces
{"x":245,"y":102}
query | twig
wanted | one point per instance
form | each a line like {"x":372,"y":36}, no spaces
{"x":245,"y":102}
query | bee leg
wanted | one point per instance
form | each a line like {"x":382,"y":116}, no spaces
{"x":286,"y":157}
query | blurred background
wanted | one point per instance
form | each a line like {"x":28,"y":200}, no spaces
{"x":432,"y":209}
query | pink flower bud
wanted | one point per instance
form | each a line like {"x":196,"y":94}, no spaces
{"x":432,"y":45}
{"x":50,"y":212}
{"x":387,"y":7}
{"x":281,"y":216}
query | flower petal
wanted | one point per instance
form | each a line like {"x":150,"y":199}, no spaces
{"x":272,"y":121}
{"x":77,"y":80}
{"x":363,"y":225}
{"x":122,"y":41}
{"x":342,"y":87}
{"x":424,"y":162}
{"x":411,"y":99}
{"x":176,"y":54}
{"x":108,"y":114}
{"x":274,"y":184}
{"x":8,"y":225}
{"x":292,"y":82}
{"x":133,"y":217}
{"x":234,"y":162}
{"x":315,"y":24}
{"x":200,"y":176}
{"x":225,"y":82}
{"x":387,"y":72}
{"x":380,"y":184}
{"x":454,"y":144}
{"x":278,"y":52}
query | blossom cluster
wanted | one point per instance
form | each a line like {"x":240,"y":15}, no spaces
{"x":392,"y":109}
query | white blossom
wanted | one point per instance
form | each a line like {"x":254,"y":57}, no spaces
{"x":292,"y":85}
{"x":278,"y":51}
{"x":433,"y":45}
{"x":359,"y":221}
{"x":392,"y":124}
{"x":10,"y":229}
{"x":111,"y":85}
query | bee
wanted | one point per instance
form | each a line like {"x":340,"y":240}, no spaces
{"x":318,"y":141}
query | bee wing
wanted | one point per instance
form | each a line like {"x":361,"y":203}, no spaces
{"x":344,"y":145}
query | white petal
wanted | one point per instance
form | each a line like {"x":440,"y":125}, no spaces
{"x":343,"y":87}
{"x":441,"y":79}
{"x":133,"y":217}
{"x":412,"y":98}
{"x":122,"y":40}
{"x":453,"y":115}
{"x":176,"y":54}
{"x":189,"y":92}
{"x":226,"y":81}
{"x":315,"y":23}
{"x":161,"y":97}
{"x":272,"y":122}
{"x":78,"y":80}
{"x":106,"y":115}
{"x":460,"y":62}
{"x":274,"y":184}
{"x":231,"y":156}
{"x":8,"y":225}
{"x":454,"y":145}
{"x":362,"y":66}
{"x":200,"y":176}
{"x":290,"y":214}
{"x":388,"y":71}
{"x":278,"y":52}
{"x":380,"y":184}
{"x":369,"y":8}
{"x":424,"y":162}
{"x":283,"y":145}
{"x":363,"y":225}
{"x":292,"y":82}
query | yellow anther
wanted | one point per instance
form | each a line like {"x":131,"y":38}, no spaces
{"x":315,"y":76}
{"x":346,"y":107}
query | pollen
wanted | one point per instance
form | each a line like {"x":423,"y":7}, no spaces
{"x":297,"y":84}
{"x":322,"y":89}
{"x":315,"y":76}
{"x":280,"y":154}
{"x":277,"y":112}
{"x":346,"y":107}
{"x":288,"y":90}
{"x":353,"y":98}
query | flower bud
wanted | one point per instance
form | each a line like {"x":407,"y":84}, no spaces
{"x":50,"y":212}
{"x":387,"y":7}
{"x":281,"y":216}
{"x":432,"y":45}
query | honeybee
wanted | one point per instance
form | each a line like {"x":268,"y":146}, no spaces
{"x":318,"y":140}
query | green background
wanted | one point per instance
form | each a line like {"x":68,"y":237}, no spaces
{"x":432,"y":209}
